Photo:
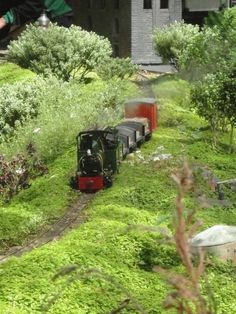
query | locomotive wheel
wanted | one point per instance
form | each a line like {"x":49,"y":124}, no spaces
{"x":108,"y":181}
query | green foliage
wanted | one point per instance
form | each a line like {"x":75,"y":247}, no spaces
{"x":154,"y":253}
{"x":202,"y":54}
{"x":208,"y":58}
{"x":59,"y":51}
{"x":223,"y":19}
{"x":213,"y":49}
{"x":116,"y":68}
{"x":170,"y":41}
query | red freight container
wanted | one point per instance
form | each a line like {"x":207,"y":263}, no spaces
{"x":142,"y":107}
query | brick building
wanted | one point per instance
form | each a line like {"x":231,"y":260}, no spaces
{"x":129,"y":24}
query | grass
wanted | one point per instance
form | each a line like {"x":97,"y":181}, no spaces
{"x":111,"y":240}
{"x":10,"y":73}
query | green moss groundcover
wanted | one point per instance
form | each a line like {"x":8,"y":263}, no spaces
{"x":113,"y":240}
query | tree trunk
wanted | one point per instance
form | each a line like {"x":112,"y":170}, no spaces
{"x":231,"y":139}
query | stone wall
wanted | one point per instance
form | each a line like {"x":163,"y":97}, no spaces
{"x":130,"y":27}
{"x":144,"y":21}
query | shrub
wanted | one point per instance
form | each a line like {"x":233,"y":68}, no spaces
{"x":18,"y":103}
{"x":170,"y":41}
{"x":116,"y":68}
{"x":59,"y":51}
{"x":202,"y":55}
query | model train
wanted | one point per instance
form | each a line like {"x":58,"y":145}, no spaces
{"x":99,"y":152}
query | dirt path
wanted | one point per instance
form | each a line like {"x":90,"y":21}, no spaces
{"x":72,"y":218}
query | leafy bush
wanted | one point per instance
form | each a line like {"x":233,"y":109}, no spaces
{"x":170,"y":41}
{"x":116,"y":67}
{"x":59,"y":51}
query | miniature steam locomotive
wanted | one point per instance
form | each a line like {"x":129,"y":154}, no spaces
{"x":99,"y":152}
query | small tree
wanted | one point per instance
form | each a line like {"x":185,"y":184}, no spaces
{"x":228,"y":100}
{"x":59,"y":51}
{"x":214,"y":99}
{"x":205,"y":98}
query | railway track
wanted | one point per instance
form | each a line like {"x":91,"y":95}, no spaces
{"x":71,"y":219}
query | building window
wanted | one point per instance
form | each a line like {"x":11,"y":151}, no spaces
{"x":116,"y":26}
{"x":164,"y":4}
{"x":116,"y":4}
{"x":116,"y":51}
{"x":89,"y":4}
{"x":102,"y":4}
{"x":90,"y":23}
{"x":147,"y":4}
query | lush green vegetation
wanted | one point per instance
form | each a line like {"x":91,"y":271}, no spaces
{"x":112,"y":239}
{"x":200,"y":56}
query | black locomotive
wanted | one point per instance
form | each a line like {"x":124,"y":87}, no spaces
{"x":99,"y":152}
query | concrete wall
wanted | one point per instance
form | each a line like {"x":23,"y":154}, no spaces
{"x":202,"y":5}
{"x":115,"y":24}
